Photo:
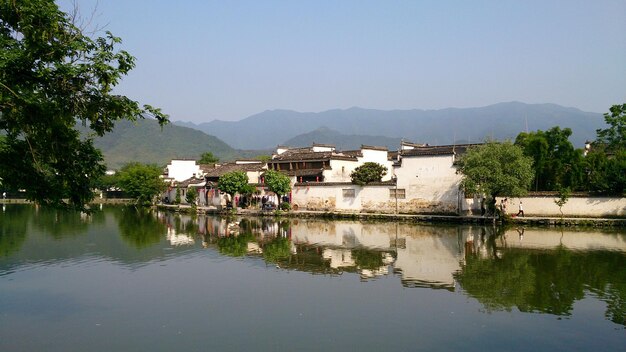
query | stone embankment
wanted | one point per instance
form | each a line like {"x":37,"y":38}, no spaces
{"x":470,"y":219}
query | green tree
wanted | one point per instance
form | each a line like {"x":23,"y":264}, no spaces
{"x":605,"y":164}
{"x":564,"y":194}
{"x":105,"y":182}
{"x":614,"y":137}
{"x":208,"y":158}
{"x":556,"y":162}
{"x":141,"y":182}
{"x":278,"y":183}
{"x":177,"y":196}
{"x":140,"y":227}
{"x":233,"y":182}
{"x":52,"y":76}
{"x":191,"y":196}
{"x":367,"y":173}
{"x":496,"y":169}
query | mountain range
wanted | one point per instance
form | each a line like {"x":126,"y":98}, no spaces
{"x":146,"y":142}
{"x":500,"y":121}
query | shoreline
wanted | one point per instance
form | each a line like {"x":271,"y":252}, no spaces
{"x":425,"y":218}
{"x":541,"y":221}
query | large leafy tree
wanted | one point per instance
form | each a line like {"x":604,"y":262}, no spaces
{"x":605,"y":164}
{"x":141,"y":182}
{"x":233,"y":182}
{"x":52,"y":75}
{"x":367,"y":173}
{"x":496,"y":169}
{"x":614,"y":137}
{"x":557,"y":164}
{"x":277,"y":182}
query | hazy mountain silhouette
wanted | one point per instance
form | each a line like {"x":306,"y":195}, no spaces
{"x":500,"y":121}
{"x":146,"y":142}
{"x":325,"y":135}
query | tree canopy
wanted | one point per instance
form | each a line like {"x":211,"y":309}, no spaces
{"x":496,"y":169}
{"x":233,"y":182}
{"x":557,"y":163}
{"x":53,"y":75}
{"x":614,"y":137}
{"x":141,"y":182}
{"x":277,"y":182}
{"x":367,"y":173}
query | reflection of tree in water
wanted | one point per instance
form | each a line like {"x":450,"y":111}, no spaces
{"x":60,"y":223}
{"x":547,"y":281}
{"x":235,"y":246}
{"x":367,"y":259}
{"x":307,"y":259}
{"x":279,"y":248}
{"x":13,"y":225}
{"x":139,"y":227}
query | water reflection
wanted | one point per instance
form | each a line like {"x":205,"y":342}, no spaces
{"x":530,"y":270}
{"x":13,"y":225}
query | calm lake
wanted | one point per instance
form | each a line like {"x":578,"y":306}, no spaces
{"x":123,"y":280}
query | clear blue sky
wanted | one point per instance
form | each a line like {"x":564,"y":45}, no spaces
{"x":206,"y":60}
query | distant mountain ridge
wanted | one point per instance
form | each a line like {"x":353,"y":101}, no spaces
{"x":325,"y":135}
{"x":146,"y":142}
{"x":499,"y":121}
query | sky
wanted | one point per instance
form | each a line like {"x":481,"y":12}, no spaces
{"x":206,"y":60}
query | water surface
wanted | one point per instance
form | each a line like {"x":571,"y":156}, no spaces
{"x":119,"y":279}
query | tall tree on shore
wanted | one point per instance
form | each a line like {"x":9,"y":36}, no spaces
{"x":52,"y":75}
{"x":557,"y":163}
{"x":606,"y":162}
{"x":614,"y":137}
{"x":141,"y":182}
{"x":232,"y":183}
{"x":496,"y":169}
{"x":278,"y":183}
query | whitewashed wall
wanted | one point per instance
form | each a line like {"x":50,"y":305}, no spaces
{"x":431,"y":184}
{"x":379,"y":157}
{"x":372,"y":199}
{"x":575,"y":206}
{"x":339,"y":170}
{"x":545,"y":206}
{"x":181,"y":170}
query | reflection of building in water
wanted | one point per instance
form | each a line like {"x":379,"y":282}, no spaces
{"x":425,"y":256}
{"x":178,"y":239}
{"x":430,"y":259}
{"x":576,"y":240}
{"x":338,"y":258}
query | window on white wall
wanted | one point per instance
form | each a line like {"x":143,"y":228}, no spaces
{"x":399,"y":193}
{"x":348,"y":193}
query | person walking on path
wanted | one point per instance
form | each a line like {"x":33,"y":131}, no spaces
{"x":521,"y":209}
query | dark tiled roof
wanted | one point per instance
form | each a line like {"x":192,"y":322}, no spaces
{"x":299,"y":155}
{"x":438,"y":150}
{"x":373,"y":147}
{"x":189,"y":181}
{"x":415,"y":145}
{"x":355,"y":153}
{"x":324,"y":145}
{"x":219,"y":170}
